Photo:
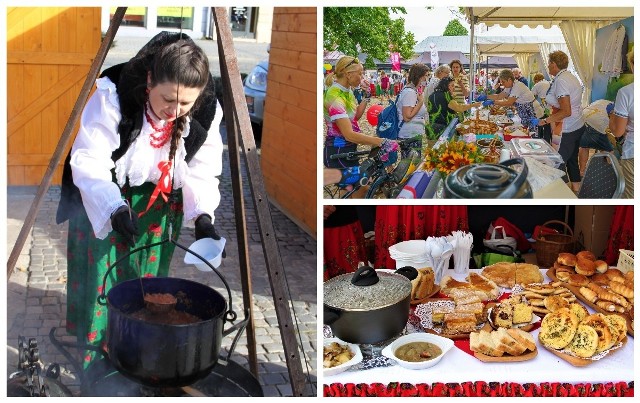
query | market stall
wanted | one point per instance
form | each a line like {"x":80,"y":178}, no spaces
{"x":497,"y":298}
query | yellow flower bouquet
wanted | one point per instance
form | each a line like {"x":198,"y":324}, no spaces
{"x":449,"y":156}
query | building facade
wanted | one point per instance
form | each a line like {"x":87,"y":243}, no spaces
{"x":250,"y":23}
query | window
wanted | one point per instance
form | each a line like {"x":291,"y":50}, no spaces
{"x":175,"y":17}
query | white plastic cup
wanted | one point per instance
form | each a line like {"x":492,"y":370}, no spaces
{"x":208,"y":248}
{"x":505,"y":154}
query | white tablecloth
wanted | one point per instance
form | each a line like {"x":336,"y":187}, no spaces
{"x":458,"y":366}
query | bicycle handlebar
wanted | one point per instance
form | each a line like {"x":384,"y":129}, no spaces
{"x":351,"y":155}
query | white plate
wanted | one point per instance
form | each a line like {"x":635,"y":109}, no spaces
{"x":357,"y":357}
{"x":444,"y":343}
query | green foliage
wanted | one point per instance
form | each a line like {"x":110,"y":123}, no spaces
{"x":370,"y":30}
{"x":455,"y":28}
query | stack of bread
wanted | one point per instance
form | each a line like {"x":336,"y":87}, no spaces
{"x":423,"y":285}
{"x":608,"y":288}
{"x":546,"y":298}
{"x":467,"y":313}
{"x":511,"y":312}
{"x":496,"y":343}
{"x":574,"y":330}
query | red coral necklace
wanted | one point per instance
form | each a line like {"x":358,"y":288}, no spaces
{"x":161,"y":135}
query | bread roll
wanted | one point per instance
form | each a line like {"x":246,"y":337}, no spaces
{"x":629,"y":275}
{"x":585,"y":267}
{"x":580,"y":311}
{"x":577,"y":280}
{"x":567,"y":259}
{"x":558,"y":328}
{"x":601,"y":266}
{"x":564,"y":275}
{"x":618,"y":322}
{"x":615,"y":275}
{"x":600,"y":279}
{"x":585,"y":254}
{"x":585,"y":341}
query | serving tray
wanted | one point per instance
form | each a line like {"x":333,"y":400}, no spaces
{"x":551,"y":273}
{"x":583,"y":362}
{"x":506,"y":358}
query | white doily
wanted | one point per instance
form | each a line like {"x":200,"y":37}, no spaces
{"x":596,"y":357}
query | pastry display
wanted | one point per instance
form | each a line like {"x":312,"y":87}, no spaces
{"x":546,"y":298}
{"x":583,"y":338}
{"x":508,"y":275}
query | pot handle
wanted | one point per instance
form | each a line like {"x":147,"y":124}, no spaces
{"x":519,"y":181}
{"x":329,"y":316}
{"x":364,"y":276}
{"x":102,"y":298}
{"x":408,"y":271}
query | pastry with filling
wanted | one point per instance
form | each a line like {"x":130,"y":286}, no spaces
{"x":484,"y":288}
{"x":456,"y":323}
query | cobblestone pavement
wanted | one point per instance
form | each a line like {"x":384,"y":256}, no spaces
{"x":37,"y":288}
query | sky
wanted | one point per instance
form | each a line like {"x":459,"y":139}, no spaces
{"x":424,"y":23}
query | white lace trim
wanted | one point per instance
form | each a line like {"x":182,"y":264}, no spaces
{"x":105,"y":84}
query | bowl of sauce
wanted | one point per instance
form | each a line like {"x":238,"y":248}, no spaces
{"x":418,"y":350}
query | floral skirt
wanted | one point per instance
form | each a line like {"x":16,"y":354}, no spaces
{"x":343,"y":249}
{"x":89,"y":258}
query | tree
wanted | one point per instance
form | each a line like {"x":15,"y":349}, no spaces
{"x":370,"y":30}
{"x":454,"y":28}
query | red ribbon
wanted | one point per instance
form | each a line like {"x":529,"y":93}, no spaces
{"x":163,"y":188}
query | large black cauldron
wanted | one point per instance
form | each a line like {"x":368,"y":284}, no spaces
{"x":162,"y":355}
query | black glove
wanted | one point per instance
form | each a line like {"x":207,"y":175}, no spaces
{"x":125,"y":221}
{"x":205,"y":229}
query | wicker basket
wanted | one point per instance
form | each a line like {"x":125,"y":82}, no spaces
{"x":625,"y":260}
{"x":548,"y":246}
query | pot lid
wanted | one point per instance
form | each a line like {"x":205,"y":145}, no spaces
{"x":341,"y":293}
{"x":487,"y":181}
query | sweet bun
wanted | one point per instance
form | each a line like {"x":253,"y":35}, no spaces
{"x":605,"y":338}
{"x":614,"y":273}
{"x":585,"y":267}
{"x":601,"y":266}
{"x":600,"y":279}
{"x":619,"y":322}
{"x":578,"y":280}
{"x":567,"y":259}
{"x":561,"y":266}
{"x":585,"y":254}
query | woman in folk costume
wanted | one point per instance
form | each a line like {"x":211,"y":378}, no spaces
{"x":143,"y":161}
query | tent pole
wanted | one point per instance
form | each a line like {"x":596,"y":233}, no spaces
{"x":472,"y":60}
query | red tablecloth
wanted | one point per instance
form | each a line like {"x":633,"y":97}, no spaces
{"x":480,"y":389}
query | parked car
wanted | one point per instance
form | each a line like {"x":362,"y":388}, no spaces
{"x":255,"y":89}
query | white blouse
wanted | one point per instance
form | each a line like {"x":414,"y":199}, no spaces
{"x":91,"y":162}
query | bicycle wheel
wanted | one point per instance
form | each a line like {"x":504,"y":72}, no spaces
{"x":379,"y":188}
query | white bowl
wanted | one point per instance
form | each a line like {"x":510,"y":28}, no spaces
{"x":442,"y":342}
{"x":208,"y":248}
{"x":357,"y":357}
{"x":410,"y":248}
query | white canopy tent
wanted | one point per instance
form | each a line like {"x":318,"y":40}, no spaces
{"x":578,"y":26}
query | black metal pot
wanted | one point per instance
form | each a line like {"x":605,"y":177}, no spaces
{"x":489,"y":181}
{"x":372,"y":307}
{"x":163,"y":355}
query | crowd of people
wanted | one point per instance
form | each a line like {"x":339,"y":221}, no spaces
{"x":427,"y":101}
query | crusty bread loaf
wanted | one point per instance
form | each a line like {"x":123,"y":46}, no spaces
{"x":558,"y":328}
{"x":585,"y":266}
{"x":601,"y":266}
{"x":524,"y":338}
{"x":483,"y":343}
{"x":605,"y":339}
{"x":586,"y":254}
{"x":456,"y":323}
{"x":567,"y":259}
{"x":585,"y":341}
{"x":509,"y":344}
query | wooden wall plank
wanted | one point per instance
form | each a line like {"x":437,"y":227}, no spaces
{"x":295,"y":23}
{"x":53,"y":58}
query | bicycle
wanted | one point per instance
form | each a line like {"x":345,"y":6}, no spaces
{"x":385,"y":181}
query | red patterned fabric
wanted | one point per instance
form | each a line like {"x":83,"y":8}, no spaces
{"x":402,"y":223}
{"x":480,"y":389}
{"x":343,"y":249}
{"x":621,"y":233}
